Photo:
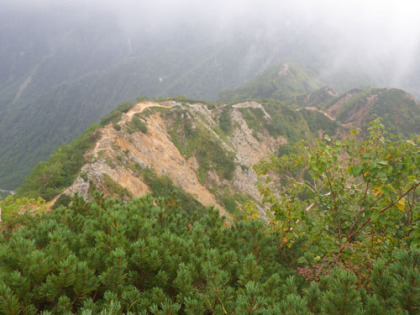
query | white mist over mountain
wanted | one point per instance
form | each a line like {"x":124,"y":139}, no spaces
{"x":380,"y":38}
{"x":66,"y":63}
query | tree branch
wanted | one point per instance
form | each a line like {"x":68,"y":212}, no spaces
{"x":382,"y":211}
{"x":361,"y":210}
{"x":336,"y":209}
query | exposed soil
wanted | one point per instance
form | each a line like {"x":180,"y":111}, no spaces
{"x":117,"y":150}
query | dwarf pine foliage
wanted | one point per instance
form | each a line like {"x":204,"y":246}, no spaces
{"x":148,"y":256}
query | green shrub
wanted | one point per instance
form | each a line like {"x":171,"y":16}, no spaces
{"x":150,"y":256}
{"x":116,"y":126}
{"x":254,"y":118}
{"x":136,"y":125}
{"x":116,"y":189}
{"x":84,"y":176}
{"x":63,"y":200}
{"x":192,"y":139}
{"x":115,"y":115}
{"x":225,"y":120}
{"x":162,"y":186}
{"x":49,"y":178}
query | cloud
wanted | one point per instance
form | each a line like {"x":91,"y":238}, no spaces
{"x":365,"y":33}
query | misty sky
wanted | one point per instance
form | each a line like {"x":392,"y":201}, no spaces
{"x":398,"y":18}
{"x":359,"y":32}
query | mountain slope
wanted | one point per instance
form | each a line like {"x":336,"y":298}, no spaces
{"x":301,"y":88}
{"x":398,"y":110}
{"x":67,"y":72}
{"x":196,"y":151}
{"x":63,"y":67}
{"x":205,"y":153}
{"x":282,"y":81}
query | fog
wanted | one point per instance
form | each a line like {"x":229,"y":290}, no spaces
{"x":66,"y":63}
{"x":379,"y":38}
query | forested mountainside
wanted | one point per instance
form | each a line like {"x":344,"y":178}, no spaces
{"x":298,"y":87}
{"x":63,"y":75}
{"x":282,"y":81}
{"x":398,"y":110}
{"x":63,"y":68}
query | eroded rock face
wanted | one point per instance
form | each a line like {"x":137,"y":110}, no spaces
{"x":250,"y":150}
{"x":79,"y":186}
{"x":120,"y":155}
{"x":244,"y":180}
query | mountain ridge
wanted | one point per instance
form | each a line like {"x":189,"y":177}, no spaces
{"x":282,"y":81}
{"x":203,"y":152}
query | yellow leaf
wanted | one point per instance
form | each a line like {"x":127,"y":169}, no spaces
{"x":378,"y":191}
{"x":401,"y":204}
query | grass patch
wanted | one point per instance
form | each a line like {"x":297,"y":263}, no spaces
{"x":353,"y":103}
{"x":162,"y":186}
{"x":192,"y":139}
{"x":116,"y":189}
{"x":153,"y":110}
{"x":136,"y":124}
{"x":286,"y":122}
{"x":254,"y":118}
{"x":225,"y":120}
{"x":317,"y":121}
{"x":234,"y":203}
{"x":115,"y":116}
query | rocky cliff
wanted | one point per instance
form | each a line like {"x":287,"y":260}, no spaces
{"x":205,"y":150}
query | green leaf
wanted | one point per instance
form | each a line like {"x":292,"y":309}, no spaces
{"x":302,"y":260}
